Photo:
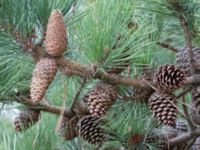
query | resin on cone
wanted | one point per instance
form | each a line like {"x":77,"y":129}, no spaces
{"x":164,"y":108}
{"x":100,"y":98}
{"x":56,"y":38}
{"x":43,"y":75}
{"x":182,"y":59}
{"x":168,"y":77}
{"x":88,"y":128}
{"x":26,"y":119}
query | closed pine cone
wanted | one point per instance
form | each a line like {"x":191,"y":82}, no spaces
{"x":88,"y":128}
{"x":163,"y":107}
{"x":43,"y":75}
{"x":182,"y":59}
{"x":26,"y":119}
{"x":56,"y":39}
{"x":100,"y":98}
{"x":168,"y":77}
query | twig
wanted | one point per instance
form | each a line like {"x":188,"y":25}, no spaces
{"x":184,"y":92}
{"x":165,"y":45}
{"x":77,"y":94}
{"x":185,"y":110}
{"x":184,"y":137}
{"x":190,"y":143}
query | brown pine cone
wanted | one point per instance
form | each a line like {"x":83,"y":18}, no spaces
{"x":26,"y":119}
{"x":182,"y":59}
{"x":56,"y":38}
{"x":43,"y":75}
{"x":88,"y":128}
{"x":164,"y":108}
{"x":100,"y":98}
{"x":168,"y":77}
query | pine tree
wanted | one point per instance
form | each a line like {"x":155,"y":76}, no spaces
{"x":108,"y":73}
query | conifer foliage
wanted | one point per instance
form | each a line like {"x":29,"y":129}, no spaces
{"x":115,"y":75}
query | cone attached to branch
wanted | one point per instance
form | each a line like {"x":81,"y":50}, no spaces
{"x":43,"y":75}
{"x":56,"y":38}
{"x":182,"y":59}
{"x":168,"y":77}
{"x":26,"y":119}
{"x":195,"y":105}
{"x":100,"y":98}
{"x":163,"y":107}
{"x":88,"y":128}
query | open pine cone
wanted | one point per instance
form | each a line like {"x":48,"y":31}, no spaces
{"x":88,"y":128}
{"x":56,"y":39}
{"x":26,"y":119}
{"x":182,"y":59}
{"x":100,"y":98}
{"x":168,"y":77}
{"x":164,"y":108}
{"x":43,"y":75}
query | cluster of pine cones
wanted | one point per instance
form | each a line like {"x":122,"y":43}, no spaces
{"x":45,"y":70}
{"x":167,"y":78}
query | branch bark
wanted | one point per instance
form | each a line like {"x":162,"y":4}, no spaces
{"x":165,"y":45}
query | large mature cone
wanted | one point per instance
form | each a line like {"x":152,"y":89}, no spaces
{"x":26,"y":119}
{"x":160,"y":137}
{"x":89,"y":129}
{"x":67,"y":128}
{"x":163,"y":107}
{"x":56,"y":39}
{"x":181,"y":126}
{"x":196,"y":145}
{"x":100,"y":98}
{"x":195,"y":105}
{"x":168,"y":77}
{"x":43,"y":75}
{"x":182,"y":59}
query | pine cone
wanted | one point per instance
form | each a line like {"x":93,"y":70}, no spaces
{"x":56,"y":39}
{"x":26,"y":119}
{"x":159,"y":137}
{"x":169,"y":78}
{"x":182,"y":59}
{"x":100,"y":98}
{"x":43,"y":75}
{"x":196,"y":145}
{"x":195,"y":105}
{"x":89,"y":129}
{"x":163,"y":107}
{"x":181,"y":125}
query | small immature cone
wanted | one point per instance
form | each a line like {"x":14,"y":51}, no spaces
{"x":26,"y":119}
{"x":43,"y":75}
{"x":56,"y":38}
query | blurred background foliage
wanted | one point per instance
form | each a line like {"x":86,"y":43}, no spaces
{"x":107,"y":33}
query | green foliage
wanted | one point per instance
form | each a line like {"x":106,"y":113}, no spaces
{"x":126,"y":120}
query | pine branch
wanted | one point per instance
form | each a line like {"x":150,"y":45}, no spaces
{"x":167,"y":46}
{"x":184,"y":137}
